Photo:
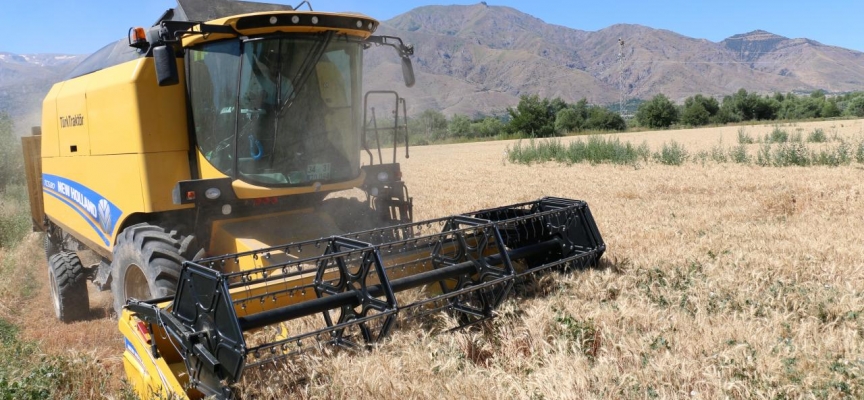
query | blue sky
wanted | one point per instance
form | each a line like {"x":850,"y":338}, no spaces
{"x":83,"y":26}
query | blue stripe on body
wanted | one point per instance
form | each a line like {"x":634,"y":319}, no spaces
{"x":85,"y":216}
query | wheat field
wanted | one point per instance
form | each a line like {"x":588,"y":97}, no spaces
{"x":721,"y":280}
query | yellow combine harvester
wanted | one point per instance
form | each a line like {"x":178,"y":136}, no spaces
{"x":193,"y":159}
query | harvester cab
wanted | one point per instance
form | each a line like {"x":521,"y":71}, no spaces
{"x":194,"y":160}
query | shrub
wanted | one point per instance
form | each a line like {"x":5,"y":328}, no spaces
{"x":595,"y":150}
{"x":859,"y":153}
{"x":744,"y":137}
{"x":817,"y":136}
{"x":718,"y":154}
{"x":672,"y":153}
{"x":584,"y":334}
{"x":788,"y":154}
{"x":796,"y":137}
{"x":14,"y":215}
{"x":739,"y":154}
{"x":763,"y":156}
{"x":777,"y":136}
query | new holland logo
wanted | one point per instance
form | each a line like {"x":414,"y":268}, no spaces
{"x":105,"y":216}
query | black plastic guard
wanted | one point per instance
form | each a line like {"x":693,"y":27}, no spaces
{"x":203,"y":305}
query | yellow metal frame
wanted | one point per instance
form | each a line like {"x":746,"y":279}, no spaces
{"x":194,"y":40}
{"x":152,"y":377}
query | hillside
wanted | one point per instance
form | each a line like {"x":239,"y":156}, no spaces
{"x":481,"y":58}
{"x":24,"y":81}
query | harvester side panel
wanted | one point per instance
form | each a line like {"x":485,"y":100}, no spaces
{"x":115,"y":144}
{"x":131,"y":114}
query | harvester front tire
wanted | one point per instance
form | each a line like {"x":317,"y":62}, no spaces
{"x":147,"y":262}
{"x":68,"y":287}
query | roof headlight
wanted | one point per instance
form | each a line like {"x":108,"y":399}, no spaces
{"x":383,"y":176}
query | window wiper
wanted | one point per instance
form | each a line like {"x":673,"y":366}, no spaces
{"x":302,"y":74}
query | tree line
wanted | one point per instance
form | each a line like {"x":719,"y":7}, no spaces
{"x":534,"y":116}
{"x":699,"y":110}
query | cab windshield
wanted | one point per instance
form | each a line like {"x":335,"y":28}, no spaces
{"x":279,"y":110}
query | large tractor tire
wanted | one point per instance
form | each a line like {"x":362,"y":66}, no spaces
{"x":147,"y":262}
{"x":51,"y":246}
{"x":68,"y":287}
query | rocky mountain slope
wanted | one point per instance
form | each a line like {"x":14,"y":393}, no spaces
{"x":24,"y":81}
{"x":481,"y":58}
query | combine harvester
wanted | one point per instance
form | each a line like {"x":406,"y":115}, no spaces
{"x":193,"y":160}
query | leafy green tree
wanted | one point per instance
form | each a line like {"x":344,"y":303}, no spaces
{"x":765,"y":108}
{"x":431,"y":124}
{"x":855,"y":107}
{"x":459,"y":126}
{"x":805,"y":108}
{"x":569,"y":120}
{"x":779,"y":97}
{"x":487,"y":127}
{"x":699,"y":110}
{"x":603,"y":119}
{"x":830,"y":109}
{"x":695,"y":114}
{"x":556,"y":105}
{"x":710,"y":104}
{"x":532,"y":117}
{"x":743,"y":106}
{"x":659,"y":112}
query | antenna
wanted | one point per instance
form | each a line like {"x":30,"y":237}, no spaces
{"x":621,"y":76}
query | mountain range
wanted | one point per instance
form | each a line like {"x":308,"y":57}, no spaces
{"x":481,"y":58}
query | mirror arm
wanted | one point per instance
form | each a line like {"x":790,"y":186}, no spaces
{"x":403,"y":49}
{"x":405,"y":52}
{"x":173,"y":31}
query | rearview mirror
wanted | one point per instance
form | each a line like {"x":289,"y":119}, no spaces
{"x":166,"y":66}
{"x":408,"y":72}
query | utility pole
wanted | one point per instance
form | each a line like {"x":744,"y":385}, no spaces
{"x":621,"y":76}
